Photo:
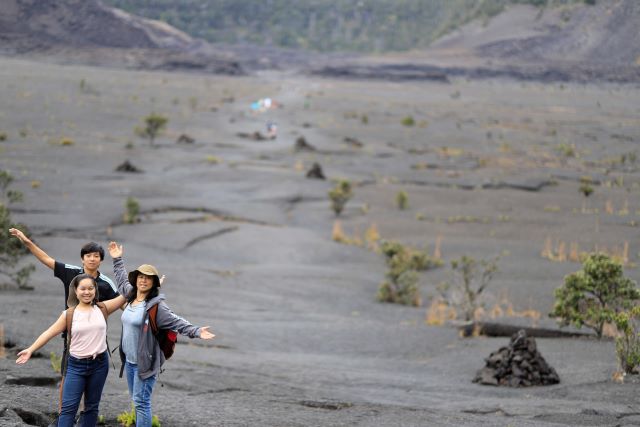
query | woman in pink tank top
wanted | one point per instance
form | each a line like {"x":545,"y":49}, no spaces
{"x":87,"y":364}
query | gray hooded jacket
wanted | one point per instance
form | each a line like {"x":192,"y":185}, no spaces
{"x":150,"y":356}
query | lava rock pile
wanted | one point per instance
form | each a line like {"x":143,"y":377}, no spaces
{"x":517,"y":365}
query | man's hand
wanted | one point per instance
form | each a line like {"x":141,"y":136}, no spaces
{"x":19,"y":234}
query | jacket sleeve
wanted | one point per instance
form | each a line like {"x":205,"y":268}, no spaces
{"x":124,"y":287}
{"x":167,"y":319}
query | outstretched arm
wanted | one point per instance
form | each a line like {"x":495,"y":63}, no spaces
{"x":42,"y":256}
{"x":56,"y":329}
{"x":116,"y":251}
{"x":167,"y":319}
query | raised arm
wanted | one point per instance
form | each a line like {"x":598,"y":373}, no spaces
{"x":115,"y":303}
{"x":116,"y":251}
{"x":56,"y":329}
{"x":42,"y":256}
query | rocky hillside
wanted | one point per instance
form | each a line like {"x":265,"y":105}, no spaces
{"x":88,"y":32}
{"x":29,"y":24}
{"x":606,"y":33}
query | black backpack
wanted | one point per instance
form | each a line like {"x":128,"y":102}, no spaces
{"x":166,"y":337}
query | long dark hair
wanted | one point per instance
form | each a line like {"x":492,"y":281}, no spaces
{"x":154,"y":292}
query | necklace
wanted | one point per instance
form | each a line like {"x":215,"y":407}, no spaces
{"x":140,"y":300}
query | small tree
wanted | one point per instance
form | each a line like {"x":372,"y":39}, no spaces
{"x":470,"y":279}
{"x":11,"y":249}
{"x":132,"y":210}
{"x":154,"y":124}
{"x":402,"y":200}
{"x":586,"y":189}
{"x":592,"y":296}
{"x":628,"y":343}
{"x":340,"y":195}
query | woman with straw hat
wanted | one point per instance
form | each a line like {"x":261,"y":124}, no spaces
{"x":140,"y":352}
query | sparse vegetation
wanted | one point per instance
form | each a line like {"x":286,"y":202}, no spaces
{"x":401,"y":286}
{"x":340,"y":195}
{"x":408,"y":121}
{"x":470,"y":280}
{"x":3,"y":136}
{"x":132,"y":210}
{"x":593,"y":296}
{"x":586,"y":188}
{"x":213,"y":160}
{"x":56,"y":362}
{"x":402,"y":200}
{"x":154,"y":124}
{"x":66,"y":142}
{"x":566,"y":150}
{"x":628,"y":342}
{"x":11,"y":249}
{"x":561,"y":251}
{"x":128,"y":419}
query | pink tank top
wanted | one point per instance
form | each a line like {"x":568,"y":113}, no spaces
{"x":88,"y":333}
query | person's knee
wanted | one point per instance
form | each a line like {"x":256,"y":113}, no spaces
{"x":142,"y":400}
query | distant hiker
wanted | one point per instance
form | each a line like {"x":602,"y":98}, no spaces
{"x":140,"y":352}
{"x":272,"y":130}
{"x":86,"y":365}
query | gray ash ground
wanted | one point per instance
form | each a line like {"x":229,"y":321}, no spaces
{"x":245,"y":238}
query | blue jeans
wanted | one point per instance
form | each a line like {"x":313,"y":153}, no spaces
{"x":84,"y":376}
{"x":140,"y":391}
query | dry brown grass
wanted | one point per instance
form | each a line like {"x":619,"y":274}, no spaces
{"x":558,"y":252}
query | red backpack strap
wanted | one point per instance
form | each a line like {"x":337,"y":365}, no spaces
{"x":153,"y":312}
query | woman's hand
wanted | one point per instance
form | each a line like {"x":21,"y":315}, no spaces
{"x":115,"y":250}
{"x":24,"y":356}
{"x":205,"y":334}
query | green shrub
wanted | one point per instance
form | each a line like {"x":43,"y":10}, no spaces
{"x":628,"y":344}
{"x":132,"y":210}
{"x":566,"y":150}
{"x":415,"y":259}
{"x":401,"y":284}
{"x":56,"y":362}
{"x":593,"y":296}
{"x":402,"y":290}
{"x":408,"y":121}
{"x":402,"y":200}
{"x":340,"y":195}
{"x":127,"y":419}
{"x":11,"y":249}
{"x":3,"y":136}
